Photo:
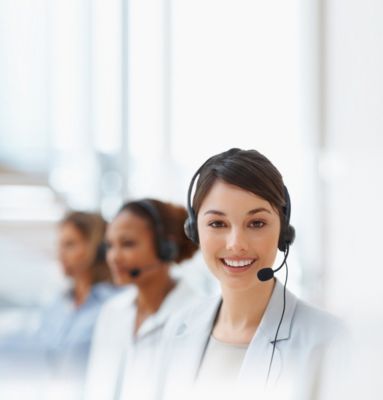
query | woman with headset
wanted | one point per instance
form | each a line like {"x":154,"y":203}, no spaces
{"x":143,"y":241}
{"x":256,"y":338}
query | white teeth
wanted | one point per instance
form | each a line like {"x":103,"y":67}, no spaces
{"x":237,"y":263}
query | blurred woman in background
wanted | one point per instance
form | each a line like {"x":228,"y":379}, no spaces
{"x":66,"y":327}
{"x":143,"y":241}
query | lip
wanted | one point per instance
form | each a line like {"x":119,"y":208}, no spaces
{"x":119,"y":269}
{"x":237,"y":269}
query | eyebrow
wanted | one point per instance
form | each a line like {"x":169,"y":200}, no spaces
{"x":251,"y":212}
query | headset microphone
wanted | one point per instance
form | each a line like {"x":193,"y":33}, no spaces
{"x":266,"y":274}
{"x":136,"y":272}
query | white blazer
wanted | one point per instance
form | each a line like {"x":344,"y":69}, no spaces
{"x":303,"y":336}
{"x":121,"y":364}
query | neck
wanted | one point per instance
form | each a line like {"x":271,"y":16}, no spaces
{"x":151,"y":295}
{"x":82,"y":287}
{"x":241,"y":312}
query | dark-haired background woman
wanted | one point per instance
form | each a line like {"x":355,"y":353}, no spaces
{"x":143,"y":241}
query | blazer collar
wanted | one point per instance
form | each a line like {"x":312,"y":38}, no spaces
{"x":257,"y":360}
{"x":181,"y":294}
{"x":206,"y":315}
{"x":273,"y":314}
{"x":191,"y":337}
{"x":195,"y":330}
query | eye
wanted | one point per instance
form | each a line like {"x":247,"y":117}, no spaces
{"x":129,"y":243}
{"x":217,"y":224}
{"x":257,"y":224}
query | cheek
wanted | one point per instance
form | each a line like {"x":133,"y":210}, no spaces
{"x":83,"y":253}
{"x":80,"y":256}
{"x":148,"y":251}
{"x":268,"y":248}
{"x":210,"y":245}
{"x":138,"y":256}
{"x":71,"y":255}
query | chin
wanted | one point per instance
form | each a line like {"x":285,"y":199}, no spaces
{"x":239,"y":282}
{"x":121,"y":279}
{"x":68,"y":273}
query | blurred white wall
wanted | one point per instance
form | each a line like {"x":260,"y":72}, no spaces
{"x":209,"y":75}
{"x":114,"y":100}
{"x":352,"y":161}
{"x":351,"y":170}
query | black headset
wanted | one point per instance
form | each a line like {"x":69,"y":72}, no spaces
{"x":100,"y":256}
{"x":167,"y":249}
{"x":287,"y":234}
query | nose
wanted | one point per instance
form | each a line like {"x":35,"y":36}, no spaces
{"x":236,"y":241}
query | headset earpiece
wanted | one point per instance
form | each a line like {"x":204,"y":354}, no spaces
{"x":287,"y":235}
{"x":286,"y":238}
{"x":290,"y":235}
{"x":100,"y":255}
{"x":167,"y":249}
{"x":190,"y":227}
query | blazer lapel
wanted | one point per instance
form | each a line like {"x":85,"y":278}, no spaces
{"x":181,"y":294}
{"x":110,"y":348}
{"x":120,"y":346}
{"x":257,"y":360}
{"x":191,"y":340}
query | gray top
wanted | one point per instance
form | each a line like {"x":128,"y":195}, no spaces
{"x":222,"y":362}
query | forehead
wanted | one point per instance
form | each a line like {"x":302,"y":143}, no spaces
{"x":129,"y":222}
{"x":69,"y":228}
{"x":224,"y":196}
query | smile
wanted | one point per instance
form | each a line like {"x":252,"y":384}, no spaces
{"x":238,"y":263}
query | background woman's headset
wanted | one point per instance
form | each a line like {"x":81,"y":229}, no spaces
{"x":167,"y":249}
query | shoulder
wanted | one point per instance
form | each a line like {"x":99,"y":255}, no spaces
{"x":120,"y":301}
{"x":59,"y":306}
{"x":114,"y":312}
{"x":198,"y":313}
{"x":316,"y":324}
{"x":186,"y":295}
{"x":104,"y":290}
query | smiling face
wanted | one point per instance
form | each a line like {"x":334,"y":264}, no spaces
{"x":130,"y":244}
{"x":238,"y":233}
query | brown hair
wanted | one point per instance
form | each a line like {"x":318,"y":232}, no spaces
{"x":247,"y":169}
{"x":171,"y":218}
{"x":92,"y":227}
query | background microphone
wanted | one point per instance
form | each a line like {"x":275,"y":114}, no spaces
{"x":266,"y":274}
{"x":136,"y":272}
